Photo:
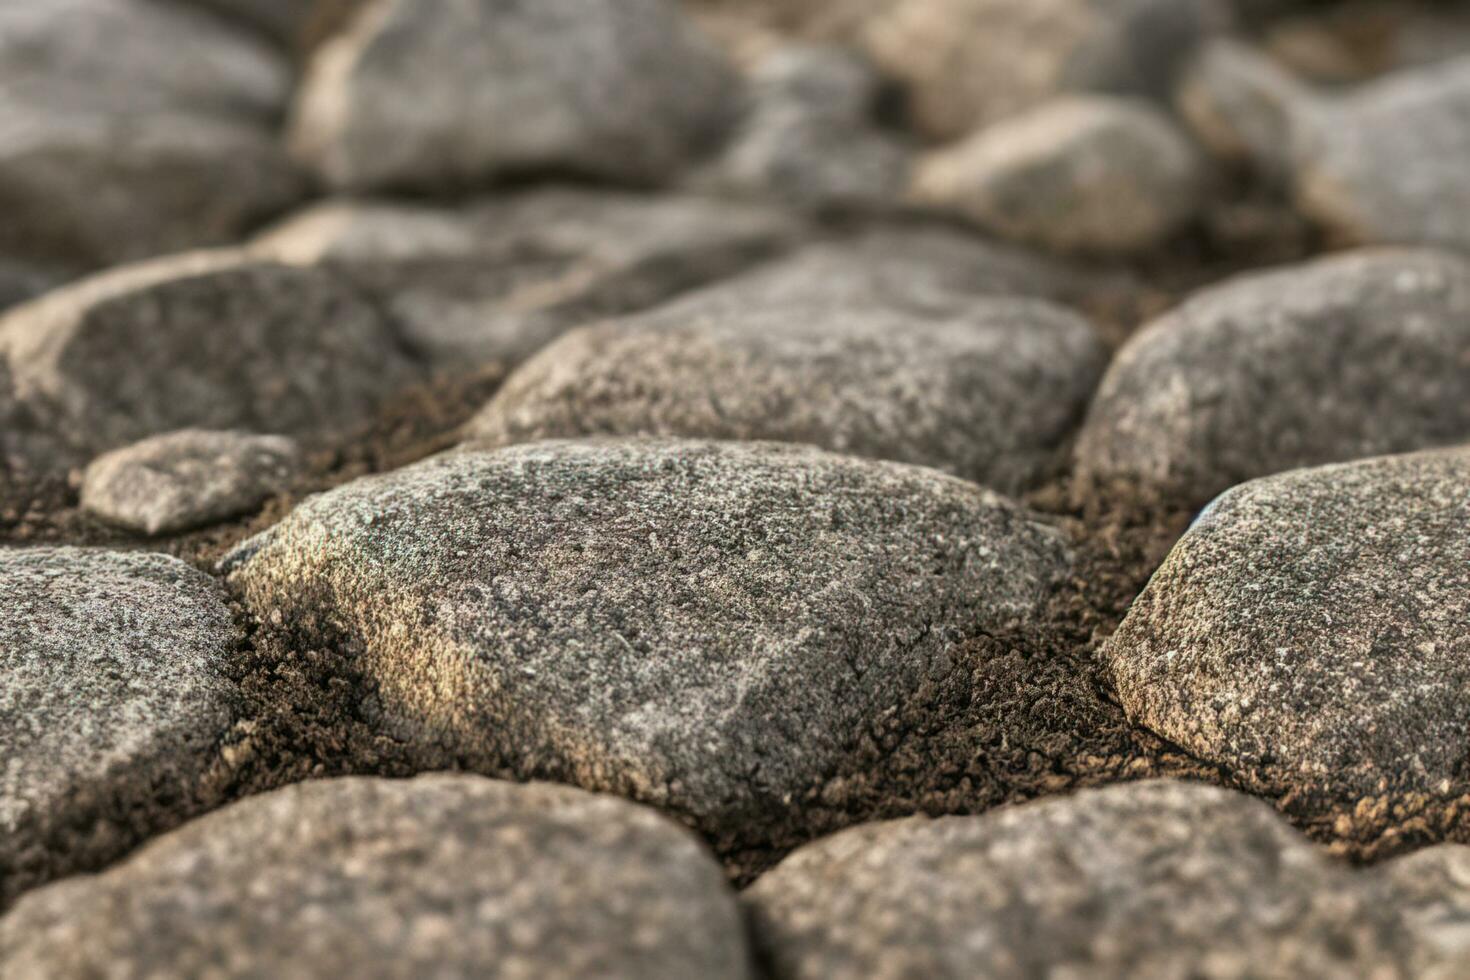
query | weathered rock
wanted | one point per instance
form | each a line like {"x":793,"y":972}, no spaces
{"x":1346,"y":357}
{"x":501,"y":278}
{"x":1241,"y":106}
{"x":709,"y":627}
{"x":989,"y":392}
{"x":208,"y":340}
{"x":85,"y":189}
{"x":1153,"y":879}
{"x":1429,"y":891}
{"x":971,"y":63}
{"x":450,"y":876}
{"x":187,"y":479}
{"x":1088,"y":173}
{"x":462,"y":92}
{"x":135,"y":56}
{"x":113,"y":697}
{"x":1308,"y":634}
{"x":1386,"y":163}
{"x":809,"y":135}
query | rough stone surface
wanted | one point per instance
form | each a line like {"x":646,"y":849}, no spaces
{"x":503,"y":277}
{"x":188,"y":478}
{"x":1386,"y":163}
{"x":989,"y":392}
{"x":207,"y":339}
{"x":809,"y":136}
{"x":709,"y":627}
{"x":84,"y":189}
{"x":1154,"y":880}
{"x":1346,"y":357}
{"x":971,"y":63}
{"x":461,"y":91}
{"x":136,"y":56}
{"x":113,"y":695}
{"x":444,"y":876}
{"x":1087,"y":173}
{"x":1308,"y":634}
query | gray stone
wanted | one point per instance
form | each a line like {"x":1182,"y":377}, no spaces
{"x":83,"y":189}
{"x":283,"y":20}
{"x":1345,"y":357}
{"x":188,"y":479}
{"x":206,"y":339}
{"x":501,"y":278}
{"x":989,"y":392}
{"x":1080,"y":173}
{"x":442,"y":876}
{"x":1386,"y":164}
{"x":708,"y":627}
{"x":135,"y":56}
{"x":1430,"y":892}
{"x":1242,"y":106}
{"x":971,"y":63}
{"x":1154,"y":880}
{"x":113,"y":697}
{"x":809,"y":137}
{"x":1308,"y":635}
{"x":460,"y":91}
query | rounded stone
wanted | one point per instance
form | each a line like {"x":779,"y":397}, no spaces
{"x":1346,"y":357}
{"x":1152,"y":879}
{"x":709,"y":627}
{"x":113,"y":697}
{"x":433,"y":95}
{"x":989,"y":391}
{"x":1308,"y":635}
{"x":209,"y":340}
{"x":188,"y":479}
{"x":446,"y":876}
{"x":1082,"y":173}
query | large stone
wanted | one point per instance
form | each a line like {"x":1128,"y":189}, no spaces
{"x":1154,"y":879}
{"x":188,"y":478}
{"x":503,"y":277}
{"x":113,"y":698}
{"x":710,"y":627}
{"x":135,"y":56}
{"x":1430,"y":892}
{"x":971,"y":63}
{"x":1308,"y":635}
{"x":1242,"y":106}
{"x":445,"y":876}
{"x":1082,"y":173}
{"x":1346,"y":357}
{"x":1385,"y":164}
{"x":989,"y":392}
{"x":809,"y":135}
{"x":429,"y":95}
{"x":207,"y":340}
{"x":83,"y":189}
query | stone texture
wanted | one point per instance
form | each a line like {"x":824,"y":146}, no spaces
{"x":444,"y":876}
{"x":90,"y":188}
{"x":1088,"y":173}
{"x":136,"y":56}
{"x":1242,"y":106}
{"x":1154,"y":879}
{"x":188,"y":479}
{"x":989,"y":392}
{"x":455,"y":92}
{"x":708,"y":627}
{"x":1385,"y":164}
{"x":1430,"y":892}
{"x":1308,"y":634}
{"x":1345,"y":357}
{"x":501,"y":277}
{"x":971,"y":63}
{"x":113,"y":696}
{"x":207,"y":339}
{"x":809,"y":135}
